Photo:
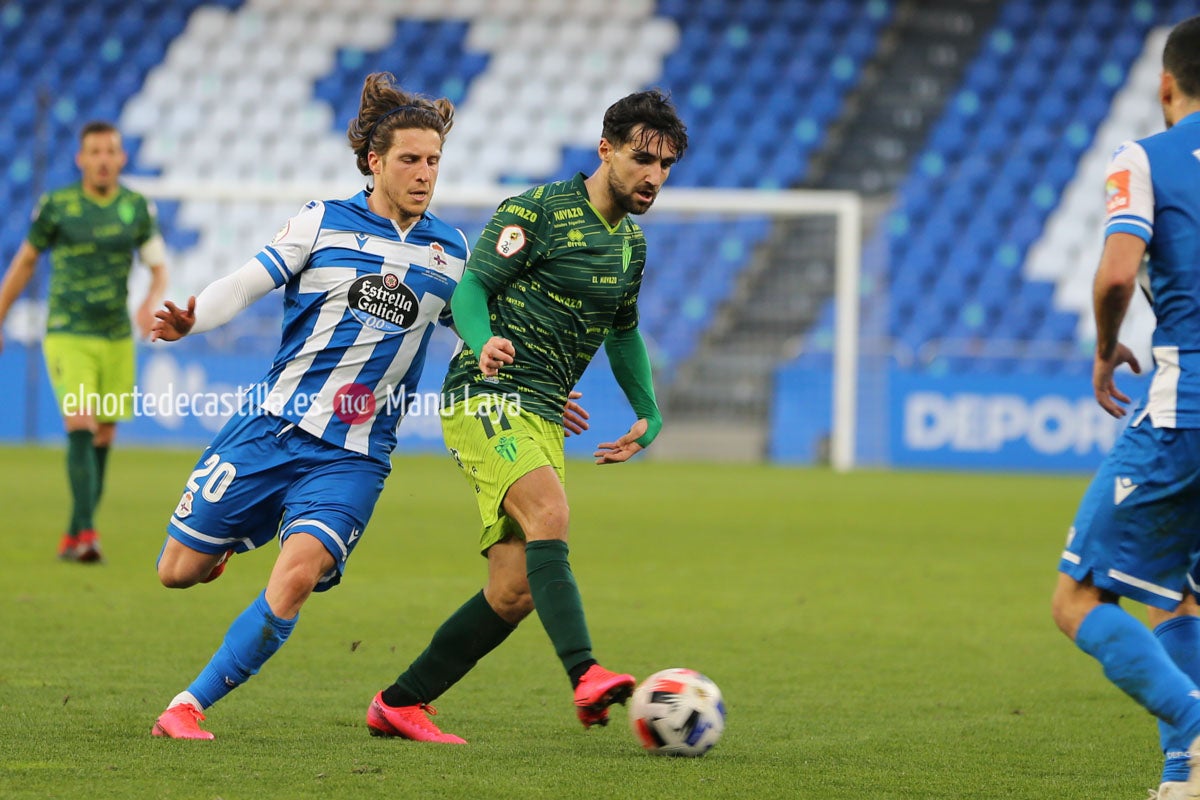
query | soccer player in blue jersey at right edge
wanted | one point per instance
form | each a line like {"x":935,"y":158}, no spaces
{"x":304,"y":459}
{"x":554,"y":275}
{"x":1137,"y":531}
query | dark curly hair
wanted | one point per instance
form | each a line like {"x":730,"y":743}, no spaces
{"x":653,"y":111}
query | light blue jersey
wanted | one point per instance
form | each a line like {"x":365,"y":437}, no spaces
{"x":361,"y":300}
{"x":311,"y":449}
{"x":1137,"y":531}
{"x":1153,"y":191}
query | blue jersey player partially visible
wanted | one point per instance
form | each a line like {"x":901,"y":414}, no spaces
{"x":365,"y":281}
{"x":1137,"y":531}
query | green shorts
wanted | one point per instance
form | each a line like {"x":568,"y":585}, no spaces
{"x":495,"y":444}
{"x":91,"y":375}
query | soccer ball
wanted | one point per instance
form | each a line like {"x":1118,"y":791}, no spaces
{"x":677,"y":712}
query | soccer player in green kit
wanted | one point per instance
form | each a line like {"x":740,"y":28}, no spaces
{"x":555,"y":274}
{"x":92,"y":228}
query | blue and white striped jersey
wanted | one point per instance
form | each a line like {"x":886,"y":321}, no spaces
{"x":1153,"y":192}
{"x":361,"y":300}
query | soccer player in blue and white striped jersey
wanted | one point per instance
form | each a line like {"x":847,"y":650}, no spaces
{"x":365,"y":280}
{"x":1137,"y":531}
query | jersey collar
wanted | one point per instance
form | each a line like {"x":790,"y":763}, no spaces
{"x":100,"y":200}
{"x":1191,"y":119}
{"x":580,"y":186}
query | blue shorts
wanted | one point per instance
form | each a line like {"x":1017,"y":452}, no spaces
{"x":262,"y":476}
{"x":1137,"y":531}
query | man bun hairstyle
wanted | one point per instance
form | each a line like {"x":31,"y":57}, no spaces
{"x":386,"y":108}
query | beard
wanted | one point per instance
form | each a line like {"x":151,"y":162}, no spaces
{"x":625,"y":200}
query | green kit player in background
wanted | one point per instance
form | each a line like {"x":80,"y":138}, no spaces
{"x":554,"y":275}
{"x":92,"y":228}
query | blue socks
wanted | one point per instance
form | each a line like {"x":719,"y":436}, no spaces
{"x":252,"y":638}
{"x":1180,"y":637}
{"x":1134,"y":660}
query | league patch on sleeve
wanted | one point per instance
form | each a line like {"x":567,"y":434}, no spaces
{"x":282,"y":232}
{"x":1116,"y":191}
{"x":511,"y":241}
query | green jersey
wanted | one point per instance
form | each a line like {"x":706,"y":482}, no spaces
{"x":559,"y":279}
{"x":91,"y":243}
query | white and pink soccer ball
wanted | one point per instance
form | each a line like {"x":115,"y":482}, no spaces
{"x":677,"y":712}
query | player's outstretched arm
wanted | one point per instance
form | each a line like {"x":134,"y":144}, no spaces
{"x":630,"y":364}
{"x":221,"y":301}
{"x":622,"y":449}
{"x":172,"y":323}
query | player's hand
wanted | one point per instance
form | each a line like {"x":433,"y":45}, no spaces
{"x":575,"y":416}
{"x":497,"y":352}
{"x":1104,"y":386}
{"x":173,"y":322}
{"x":622,"y":449}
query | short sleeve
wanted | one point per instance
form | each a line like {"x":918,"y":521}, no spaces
{"x":1129,"y":193}
{"x":44,"y":229}
{"x":513,"y":239}
{"x":149,"y":224}
{"x":288,"y":252}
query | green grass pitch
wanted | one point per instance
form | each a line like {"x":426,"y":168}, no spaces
{"x":876,"y":635}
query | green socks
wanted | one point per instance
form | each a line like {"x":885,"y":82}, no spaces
{"x":471,"y":632}
{"x":81,"y":475}
{"x":101,"y":463}
{"x":556,"y":598}
{"x":475,"y":629}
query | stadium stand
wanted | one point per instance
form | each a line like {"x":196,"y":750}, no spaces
{"x":1010,"y":142}
{"x":937,"y":111}
{"x":189,"y":87}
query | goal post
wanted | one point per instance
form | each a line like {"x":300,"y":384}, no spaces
{"x":777,"y":204}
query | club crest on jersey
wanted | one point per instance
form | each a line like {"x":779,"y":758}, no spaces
{"x":510,"y":241}
{"x":437,"y":256}
{"x":383,"y":303}
{"x":184,"y":509}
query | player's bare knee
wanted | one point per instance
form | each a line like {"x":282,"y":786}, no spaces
{"x":513,"y":608}
{"x":1059,"y":612}
{"x":509,"y":597}
{"x":1072,"y":602}
{"x":172,"y":577}
{"x":548,"y":521}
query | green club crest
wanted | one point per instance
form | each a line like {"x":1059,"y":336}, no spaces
{"x":507,"y":448}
